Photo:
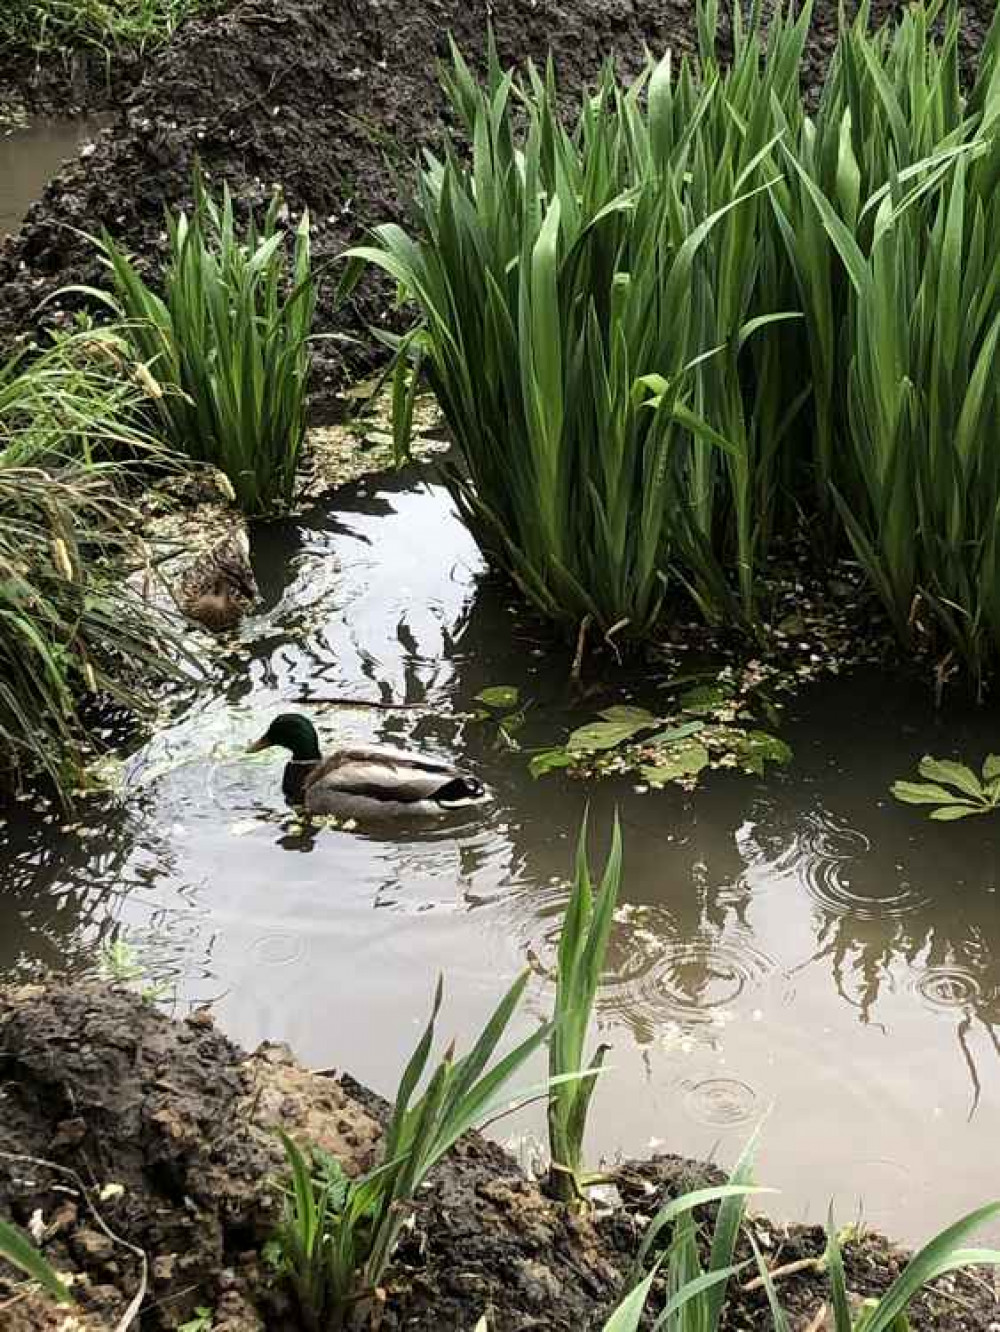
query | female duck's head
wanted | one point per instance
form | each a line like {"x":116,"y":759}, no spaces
{"x":292,"y":731}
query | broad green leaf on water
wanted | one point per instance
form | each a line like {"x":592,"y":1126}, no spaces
{"x":948,"y":813}
{"x":16,"y":1248}
{"x":626,"y":714}
{"x":684,"y":760}
{"x":703,"y":699}
{"x":991,"y":768}
{"x":672,"y":733}
{"x":605,"y":734}
{"x":921,"y":793}
{"x":549,"y":760}
{"x":951,"y":774}
{"x":499,"y":696}
{"x":756,"y":748}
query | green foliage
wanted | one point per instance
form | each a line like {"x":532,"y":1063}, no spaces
{"x":202,"y":1321}
{"x":338,"y":1234}
{"x":711,"y":726}
{"x":500,"y":707}
{"x":939,"y":1256}
{"x":604,"y":316}
{"x":562,"y":327}
{"x":16,"y":1248}
{"x":227,"y":346}
{"x":112,"y":27}
{"x":695,"y":1293}
{"x":70,"y":627}
{"x":583,"y":944}
{"x":953,"y":788}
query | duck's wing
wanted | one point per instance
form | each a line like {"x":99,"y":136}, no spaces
{"x":228,"y":559}
{"x":231,"y":558}
{"x":382,"y":774}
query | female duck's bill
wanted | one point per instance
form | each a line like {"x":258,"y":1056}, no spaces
{"x":366,"y":782}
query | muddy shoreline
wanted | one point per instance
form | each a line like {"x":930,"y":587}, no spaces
{"x":143,"y":1150}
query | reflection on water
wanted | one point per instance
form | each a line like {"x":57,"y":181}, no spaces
{"x":801,"y":944}
{"x":31,"y":156}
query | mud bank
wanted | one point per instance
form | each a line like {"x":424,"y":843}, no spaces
{"x":331,"y":99}
{"x":143,"y":1151}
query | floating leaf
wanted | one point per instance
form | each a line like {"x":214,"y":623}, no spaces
{"x":672,"y":733}
{"x":952,"y":774}
{"x":704,"y":699}
{"x":948,"y":813}
{"x":947,"y":779}
{"x":499,"y":697}
{"x":921,"y":793}
{"x":757,"y":748}
{"x":606,"y":734}
{"x":622,"y":712}
{"x":684,"y":760}
{"x":548,"y":761}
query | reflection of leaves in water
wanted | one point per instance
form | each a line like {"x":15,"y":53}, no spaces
{"x":874,"y":923}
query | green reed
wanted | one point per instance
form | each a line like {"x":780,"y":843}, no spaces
{"x":227,"y":342}
{"x":338,"y":1233}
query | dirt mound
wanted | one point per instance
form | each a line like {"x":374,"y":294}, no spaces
{"x":329,"y":98}
{"x":146,"y":1150}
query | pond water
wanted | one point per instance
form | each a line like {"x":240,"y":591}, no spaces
{"x":31,"y":155}
{"x":799,"y":947}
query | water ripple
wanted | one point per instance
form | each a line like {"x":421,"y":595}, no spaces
{"x":829,"y":860}
{"x":948,"y":987}
{"x":720,"y":1102}
{"x":658,"y":979}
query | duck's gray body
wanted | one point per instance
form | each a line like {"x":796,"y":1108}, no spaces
{"x":379,"y":782}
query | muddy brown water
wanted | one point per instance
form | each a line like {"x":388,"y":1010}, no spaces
{"x":31,"y":155}
{"x":799,"y":947}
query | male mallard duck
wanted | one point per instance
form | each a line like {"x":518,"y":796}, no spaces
{"x":365,"y":782}
{"x":219,"y":587}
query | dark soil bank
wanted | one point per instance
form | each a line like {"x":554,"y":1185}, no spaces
{"x":329,"y":98}
{"x":142,"y":1150}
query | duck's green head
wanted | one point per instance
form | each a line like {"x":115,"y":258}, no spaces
{"x":291,"y":730}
